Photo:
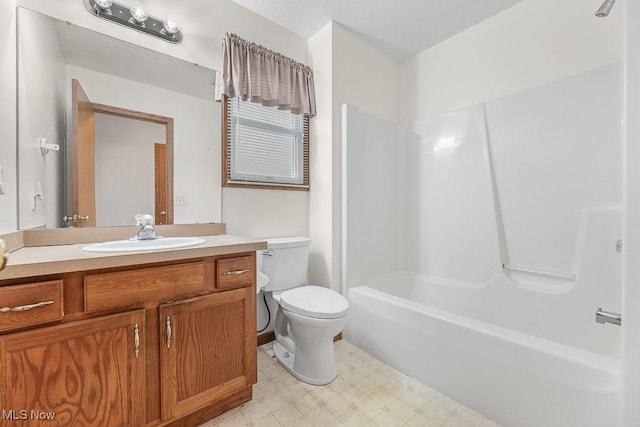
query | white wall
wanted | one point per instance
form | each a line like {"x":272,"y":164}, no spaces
{"x":125,"y":168}
{"x":8,"y":209}
{"x":265,"y":213}
{"x":41,"y":92}
{"x":321,"y":214}
{"x":527,"y":45}
{"x":364,"y":77}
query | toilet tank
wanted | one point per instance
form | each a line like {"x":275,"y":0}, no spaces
{"x":285,"y":262}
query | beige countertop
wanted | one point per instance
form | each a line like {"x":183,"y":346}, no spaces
{"x":31,"y":261}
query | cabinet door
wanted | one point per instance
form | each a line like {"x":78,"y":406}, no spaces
{"x":209,"y":349}
{"x":85,"y":373}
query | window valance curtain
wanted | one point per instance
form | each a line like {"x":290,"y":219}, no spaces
{"x":260,"y":75}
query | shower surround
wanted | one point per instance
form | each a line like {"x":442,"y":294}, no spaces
{"x":478,"y":244}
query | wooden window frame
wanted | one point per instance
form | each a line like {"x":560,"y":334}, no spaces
{"x":226,"y":158}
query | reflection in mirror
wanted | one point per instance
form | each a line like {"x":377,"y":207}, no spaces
{"x":155,"y":126}
{"x":112,"y":149}
{"x":130,"y":143}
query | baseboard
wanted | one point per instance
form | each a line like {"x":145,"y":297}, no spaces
{"x":267,"y":337}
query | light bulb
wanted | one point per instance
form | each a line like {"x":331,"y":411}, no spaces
{"x":138,"y":14}
{"x":170,"y":25}
{"x":103,"y":4}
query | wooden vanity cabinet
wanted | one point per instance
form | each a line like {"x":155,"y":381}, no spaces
{"x":178,"y":351}
{"x":205,"y":353}
{"x":85,"y":373}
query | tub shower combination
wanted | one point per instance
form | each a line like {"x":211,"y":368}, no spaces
{"x":478,"y":245}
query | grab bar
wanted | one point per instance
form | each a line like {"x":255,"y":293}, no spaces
{"x":603,"y":316}
{"x":554,"y":274}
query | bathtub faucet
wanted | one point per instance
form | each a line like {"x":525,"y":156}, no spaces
{"x":603,"y":317}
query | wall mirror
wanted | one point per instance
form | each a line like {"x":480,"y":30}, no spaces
{"x":152,"y":118}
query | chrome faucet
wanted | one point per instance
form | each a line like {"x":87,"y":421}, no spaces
{"x":147,"y":230}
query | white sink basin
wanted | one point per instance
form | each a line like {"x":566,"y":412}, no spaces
{"x":144,"y":245}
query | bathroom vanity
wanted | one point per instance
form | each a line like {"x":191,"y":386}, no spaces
{"x":139,"y":339}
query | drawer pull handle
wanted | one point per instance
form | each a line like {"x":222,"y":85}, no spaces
{"x":136,"y":340}
{"x":25,"y":307}
{"x":236,"y":272}
{"x":168,"y":332}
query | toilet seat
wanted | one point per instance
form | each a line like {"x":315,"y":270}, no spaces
{"x":315,"y":301}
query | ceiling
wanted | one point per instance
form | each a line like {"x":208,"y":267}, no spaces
{"x":400,"y":28}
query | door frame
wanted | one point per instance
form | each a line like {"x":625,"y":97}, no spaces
{"x":160,"y":181}
{"x":83,"y":183}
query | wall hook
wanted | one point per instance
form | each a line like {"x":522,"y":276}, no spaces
{"x":45,"y":146}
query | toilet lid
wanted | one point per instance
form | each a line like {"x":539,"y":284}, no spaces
{"x":315,"y":301}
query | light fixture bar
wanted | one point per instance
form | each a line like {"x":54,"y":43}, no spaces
{"x":135,"y":18}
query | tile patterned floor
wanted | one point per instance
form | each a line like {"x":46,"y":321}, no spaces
{"x":366,"y":393}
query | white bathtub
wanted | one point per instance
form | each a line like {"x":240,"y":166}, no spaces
{"x":514,"y":378}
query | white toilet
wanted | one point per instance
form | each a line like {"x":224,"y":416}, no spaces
{"x":308,"y":317}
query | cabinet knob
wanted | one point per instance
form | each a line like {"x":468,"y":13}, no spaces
{"x":3,"y":254}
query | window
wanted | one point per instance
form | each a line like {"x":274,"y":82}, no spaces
{"x":264,"y":147}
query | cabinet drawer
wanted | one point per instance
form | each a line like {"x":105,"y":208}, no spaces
{"x":235,"y":272}
{"x":136,"y":287}
{"x":30,"y":304}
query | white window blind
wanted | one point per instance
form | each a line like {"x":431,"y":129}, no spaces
{"x":266,"y":145}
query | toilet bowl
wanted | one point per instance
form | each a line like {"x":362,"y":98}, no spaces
{"x":307,"y":320}
{"x":308,"y":317}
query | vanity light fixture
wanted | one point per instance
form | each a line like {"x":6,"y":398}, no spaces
{"x":138,"y":15}
{"x":137,"y":18}
{"x":170,"y":25}
{"x":103,"y":4}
